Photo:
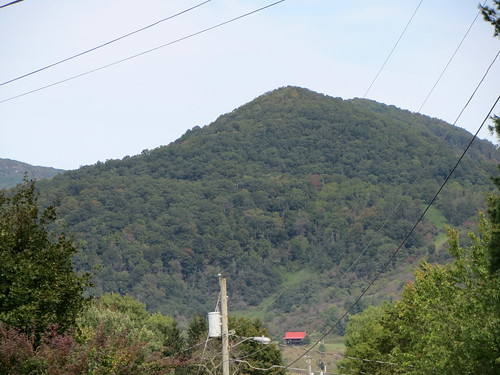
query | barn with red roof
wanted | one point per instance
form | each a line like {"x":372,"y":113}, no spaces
{"x":295,"y":338}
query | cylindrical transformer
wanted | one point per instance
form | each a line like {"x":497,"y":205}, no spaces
{"x":214,"y":324}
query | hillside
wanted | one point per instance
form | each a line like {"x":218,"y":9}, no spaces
{"x":296,"y":197}
{"x":12,"y":172}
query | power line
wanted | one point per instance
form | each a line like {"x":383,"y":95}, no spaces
{"x":430,"y":159}
{"x":386,"y":264}
{"x":259,"y":368}
{"x":406,"y":237}
{"x":102,"y":45}
{"x":386,"y":221}
{"x":451,"y":59}
{"x":11,"y":3}
{"x":414,"y":182}
{"x":435,"y":151}
{"x":356,"y":358}
{"x":142,"y":53}
{"x":401,"y":202}
{"x":393,"y":48}
{"x":268,"y":305}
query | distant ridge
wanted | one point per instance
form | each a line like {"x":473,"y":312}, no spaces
{"x":12,"y":172}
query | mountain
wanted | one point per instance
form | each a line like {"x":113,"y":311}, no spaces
{"x":12,"y":172}
{"x":296,"y":197}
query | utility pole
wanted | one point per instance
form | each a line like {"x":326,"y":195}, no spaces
{"x":322,"y":367}
{"x":225,"y":331}
{"x":309,"y":369}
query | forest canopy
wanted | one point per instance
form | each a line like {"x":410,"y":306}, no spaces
{"x":292,"y":180}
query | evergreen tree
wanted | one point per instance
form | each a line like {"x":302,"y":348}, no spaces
{"x":38,"y":286}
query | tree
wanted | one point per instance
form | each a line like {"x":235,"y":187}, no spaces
{"x":494,"y":216}
{"x":447,"y":321}
{"x":117,"y":336}
{"x":38,"y":285}
{"x":492,"y":16}
{"x":246,"y":356}
{"x":366,"y":338}
{"x":254,"y":354}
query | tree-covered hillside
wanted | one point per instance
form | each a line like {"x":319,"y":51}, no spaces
{"x":295,"y":196}
{"x":12,"y":172}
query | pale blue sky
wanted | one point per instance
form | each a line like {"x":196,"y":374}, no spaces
{"x":332,"y":47}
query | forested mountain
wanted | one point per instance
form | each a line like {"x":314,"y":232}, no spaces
{"x":12,"y":172}
{"x":296,"y":197}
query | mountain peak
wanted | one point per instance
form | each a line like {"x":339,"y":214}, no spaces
{"x":291,"y":180}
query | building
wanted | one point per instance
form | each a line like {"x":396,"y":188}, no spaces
{"x":295,"y":338}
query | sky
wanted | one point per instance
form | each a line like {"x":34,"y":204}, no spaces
{"x":332,"y":47}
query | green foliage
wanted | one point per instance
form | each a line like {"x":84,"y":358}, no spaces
{"x":447,"y":321}
{"x":492,"y":16}
{"x":292,"y":180}
{"x":38,"y":285}
{"x":246,"y":356}
{"x":123,"y":316}
{"x":103,"y":354}
{"x":494,"y":213}
{"x":367,"y":338}
{"x":256,"y":354}
{"x":116,"y":336}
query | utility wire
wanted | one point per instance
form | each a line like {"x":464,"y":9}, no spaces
{"x":268,"y":305}
{"x":276,"y":297}
{"x":258,"y":368}
{"x":203,"y":354}
{"x":11,"y":3}
{"x":399,"y":204}
{"x":142,"y":53}
{"x":364,"y":359}
{"x":195,"y":346}
{"x":405,"y":239}
{"x":450,"y":60}
{"x":435,"y":151}
{"x":208,"y":338}
{"x":283,"y":367}
{"x":432,"y":156}
{"x":393,"y":48}
{"x":393,"y":255}
{"x":356,"y":358}
{"x":102,"y":45}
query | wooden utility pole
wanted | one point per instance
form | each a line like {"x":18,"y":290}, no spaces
{"x":309,"y":369}
{"x":225,"y":331}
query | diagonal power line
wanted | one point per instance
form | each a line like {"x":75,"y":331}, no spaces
{"x":398,"y":249}
{"x":450,"y":60}
{"x":384,"y":267}
{"x":101,"y":45}
{"x":142,"y":53}
{"x":393,"y":48}
{"x":11,"y":3}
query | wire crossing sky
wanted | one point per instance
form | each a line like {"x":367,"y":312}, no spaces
{"x":11,"y":3}
{"x":335,"y":48}
{"x":126,"y":58}
{"x":102,"y":45}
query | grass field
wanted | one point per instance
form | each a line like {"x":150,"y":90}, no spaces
{"x":331,"y":354}
{"x":289,"y":279}
{"x":436,"y":217}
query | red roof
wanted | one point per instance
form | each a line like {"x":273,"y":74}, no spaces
{"x":294,"y":335}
